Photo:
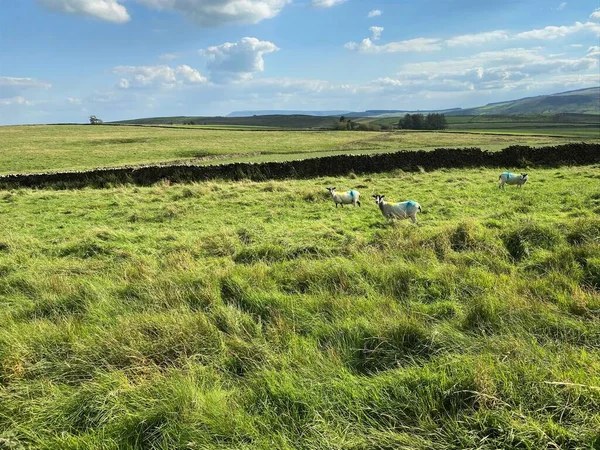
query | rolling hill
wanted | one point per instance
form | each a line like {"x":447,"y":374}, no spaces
{"x":581,"y":101}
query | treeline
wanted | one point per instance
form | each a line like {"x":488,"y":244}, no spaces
{"x":350,"y":125}
{"x":514,"y":156}
{"x":433,"y":121}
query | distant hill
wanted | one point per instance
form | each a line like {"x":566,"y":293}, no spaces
{"x":283,"y":112}
{"x":581,"y":101}
{"x":268,"y":121}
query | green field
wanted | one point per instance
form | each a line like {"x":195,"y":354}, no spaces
{"x":293,"y":121}
{"x":70,"y":147}
{"x":242,"y":315}
{"x":583,"y":126}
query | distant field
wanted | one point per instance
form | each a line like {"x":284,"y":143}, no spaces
{"x":585,"y":126}
{"x":53,"y":148}
{"x":240,"y":315}
{"x":297,"y":121}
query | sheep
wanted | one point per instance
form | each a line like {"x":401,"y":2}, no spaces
{"x":512,"y":178}
{"x":346,"y":198}
{"x":402,"y":210}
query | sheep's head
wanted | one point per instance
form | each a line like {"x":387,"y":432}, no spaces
{"x":331,"y":190}
{"x":524,"y":177}
{"x":378,"y":198}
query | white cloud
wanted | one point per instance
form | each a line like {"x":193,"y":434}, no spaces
{"x":593,"y":51}
{"x":376,"y":32}
{"x":562,"y":6}
{"x":74,"y":100}
{"x":190,"y":75}
{"x":237,"y":61}
{"x":14,"y":87}
{"x":387,"y":81}
{"x":374,"y":13}
{"x":22,"y":83}
{"x":109,"y":10}
{"x":326,"y":3}
{"x":546,"y":33}
{"x":157,"y":76}
{"x":553,"y":32}
{"x":596,"y":14}
{"x":15,"y":101}
{"x":169,"y":56}
{"x":411,"y":45}
{"x":504,"y":69}
{"x":478,"y":39}
{"x":213,"y":13}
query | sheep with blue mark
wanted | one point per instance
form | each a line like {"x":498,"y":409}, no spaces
{"x":401,"y":210}
{"x":346,"y":198}
{"x":512,"y":179}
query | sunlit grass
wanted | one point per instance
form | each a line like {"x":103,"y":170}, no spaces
{"x":55,"y":148}
{"x":257,"y":315}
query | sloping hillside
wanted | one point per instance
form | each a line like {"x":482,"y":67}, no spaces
{"x":581,"y":101}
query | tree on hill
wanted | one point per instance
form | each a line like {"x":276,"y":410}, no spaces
{"x":95,"y":121}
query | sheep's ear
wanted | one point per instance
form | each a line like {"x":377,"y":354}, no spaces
{"x":374,"y":196}
{"x":382,"y":196}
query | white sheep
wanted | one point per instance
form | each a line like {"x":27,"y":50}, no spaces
{"x":402,"y":210}
{"x":512,"y":178}
{"x":345,"y":198}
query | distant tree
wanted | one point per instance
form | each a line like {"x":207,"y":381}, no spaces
{"x":406,"y":123}
{"x":95,"y":121}
{"x":342,"y":119}
{"x":435,"y":121}
{"x":418,"y":122}
{"x":349,"y":125}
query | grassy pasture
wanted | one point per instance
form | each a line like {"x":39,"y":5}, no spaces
{"x":243,"y":315}
{"x":55,"y":148}
{"x":582,"y":126}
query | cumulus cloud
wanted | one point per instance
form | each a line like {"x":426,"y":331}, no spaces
{"x":374,"y":13}
{"x":492,"y":70}
{"x":108,"y":10}
{"x":326,"y":3}
{"x":237,"y":61}
{"x":411,"y":45}
{"x":376,"y":32}
{"x":213,"y":13}
{"x":162,"y":76}
{"x":596,"y":14}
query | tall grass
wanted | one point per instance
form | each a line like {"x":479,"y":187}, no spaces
{"x":57,"y":148}
{"x":257,"y":315}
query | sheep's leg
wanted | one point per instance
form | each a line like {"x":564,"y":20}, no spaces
{"x":358,"y":203}
{"x":414,"y":220}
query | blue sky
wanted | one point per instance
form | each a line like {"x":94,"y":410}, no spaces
{"x":63,"y":60}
